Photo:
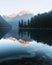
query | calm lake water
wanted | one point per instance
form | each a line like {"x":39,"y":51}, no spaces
{"x":38,"y":51}
{"x":44,"y":36}
{"x":4,"y":31}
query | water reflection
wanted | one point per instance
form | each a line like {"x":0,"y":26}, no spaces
{"x":4,"y":31}
{"x":16,"y":33}
{"x":34,"y":52}
{"x":13,"y":48}
{"x":44,"y":36}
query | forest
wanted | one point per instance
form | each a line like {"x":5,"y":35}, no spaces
{"x":39,"y":21}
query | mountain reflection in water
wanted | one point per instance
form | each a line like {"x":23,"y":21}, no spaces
{"x":34,"y":52}
{"x":44,"y":36}
{"x":24,"y":43}
{"x":26,"y":47}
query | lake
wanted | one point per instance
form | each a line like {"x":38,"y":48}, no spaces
{"x":39,"y":35}
{"x":38,"y":51}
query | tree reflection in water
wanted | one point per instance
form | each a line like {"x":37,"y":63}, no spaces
{"x":44,"y":36}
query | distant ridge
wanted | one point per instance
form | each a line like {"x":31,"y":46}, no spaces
{"x":3,"y":23}
{"x":4,"y":27}
{"x":25,"y":11}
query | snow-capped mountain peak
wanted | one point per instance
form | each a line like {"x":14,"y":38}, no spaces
{"x":25,"y":11}
{"x":11,"y":15}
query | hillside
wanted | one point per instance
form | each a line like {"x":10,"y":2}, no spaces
{"x":4,"y":27}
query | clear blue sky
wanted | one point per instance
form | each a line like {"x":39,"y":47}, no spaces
{"x":14,"y":6}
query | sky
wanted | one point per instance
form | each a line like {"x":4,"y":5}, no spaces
{"x":15,"y":6}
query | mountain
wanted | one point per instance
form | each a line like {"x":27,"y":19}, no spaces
{"x":14,"y":19}
{"x":4,"y":27}
{"x":25,"y":11}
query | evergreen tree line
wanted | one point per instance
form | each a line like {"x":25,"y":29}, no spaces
{"x":38,"y":21}
{"x":24,"y":24}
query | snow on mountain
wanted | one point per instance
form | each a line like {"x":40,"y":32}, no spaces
{"x":25,"y":11}
{"x":10,"y":49}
